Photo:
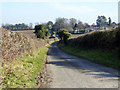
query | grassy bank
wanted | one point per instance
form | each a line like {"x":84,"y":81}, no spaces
{"x":106,"y":58}
{"x":22,"y":73}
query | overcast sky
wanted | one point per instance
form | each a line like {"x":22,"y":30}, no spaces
{"x":33,"y":11}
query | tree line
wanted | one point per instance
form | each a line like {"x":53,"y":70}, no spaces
{"x":68,"y":24}
{"x":72,"y":24}
{"x":102,"y":22}
{"x":20,"y":26}
{"x":63,"y":25}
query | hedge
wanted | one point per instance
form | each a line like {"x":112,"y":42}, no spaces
{"x":105,"y":39}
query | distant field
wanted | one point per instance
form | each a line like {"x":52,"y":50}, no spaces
{"x":29,"y":33}
{"x":36,"y":42}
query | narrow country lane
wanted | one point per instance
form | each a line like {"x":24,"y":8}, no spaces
{"x":72,"y":72}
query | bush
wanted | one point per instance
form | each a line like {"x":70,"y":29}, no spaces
{"x":40,"y":34}
{"x":41,"y":31}
{"x":64,"y":35}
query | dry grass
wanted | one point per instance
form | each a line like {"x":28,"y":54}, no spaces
{"x":36,"y":43}
{"x":0,"y":45}
{"x":28,"y":33}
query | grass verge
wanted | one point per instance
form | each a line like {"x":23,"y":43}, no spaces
{"x":107,"y":58}
{"x":22,"y":73}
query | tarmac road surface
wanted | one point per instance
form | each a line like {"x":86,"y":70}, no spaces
{"x":72,"y":72}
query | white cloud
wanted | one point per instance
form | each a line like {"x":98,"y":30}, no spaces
{"x":59,"y":0}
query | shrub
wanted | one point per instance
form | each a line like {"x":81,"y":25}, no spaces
{"x":64,"y":35}
{"x":40,"y":34}
{"x":41,"y":31}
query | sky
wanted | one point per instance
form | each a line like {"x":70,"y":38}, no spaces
{"x":42,"y":11}
{"x":119,"y":11}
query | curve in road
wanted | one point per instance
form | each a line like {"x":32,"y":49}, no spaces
{"x":72,"y":72}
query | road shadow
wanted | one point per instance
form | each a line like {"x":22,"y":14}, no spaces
{"x":59,"y":58}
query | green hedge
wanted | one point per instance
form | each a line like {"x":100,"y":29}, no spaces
{"x":107,"y":39}
{"x":41,"y":31}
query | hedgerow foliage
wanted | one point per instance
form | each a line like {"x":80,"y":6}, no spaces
{"x":64,"y":35}
{"x":107,"y":39}
{"x":41,"y":31}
